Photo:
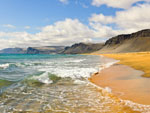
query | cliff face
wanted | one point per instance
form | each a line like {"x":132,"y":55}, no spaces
{"x":121,"y":38}
{"x":135,"y":42}
{"x":82,"y":48}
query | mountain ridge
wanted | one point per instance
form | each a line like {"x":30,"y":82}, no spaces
{"x":33,"y":50}
{"x":79,"y":48}
{"x":134,"y":42}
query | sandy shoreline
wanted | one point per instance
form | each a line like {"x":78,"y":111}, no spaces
{"x":125,"y":82}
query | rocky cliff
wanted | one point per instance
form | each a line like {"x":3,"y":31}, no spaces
{"x":135,"y":42}
{"x":82,"y":48}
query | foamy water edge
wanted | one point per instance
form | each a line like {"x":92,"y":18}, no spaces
{"x":108,"y":90}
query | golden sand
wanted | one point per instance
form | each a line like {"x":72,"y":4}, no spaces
{"x":139,"y":61}
{"x":126,"y":82}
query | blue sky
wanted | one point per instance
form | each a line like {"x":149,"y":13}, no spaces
{"x":64,"y":22}
{"x":38,"y":13}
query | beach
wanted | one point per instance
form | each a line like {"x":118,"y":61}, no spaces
{"x":56,"y":84}
{"x":59,"y":84}
{"x":126,"y":82}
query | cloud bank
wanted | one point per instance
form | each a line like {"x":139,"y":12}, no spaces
{"x":126,"y":21}
{"x":64,"y":32}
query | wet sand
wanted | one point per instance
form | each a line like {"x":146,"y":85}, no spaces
{"x":125,"y":82}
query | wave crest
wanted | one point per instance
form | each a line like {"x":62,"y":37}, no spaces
{"x":4,"y":66}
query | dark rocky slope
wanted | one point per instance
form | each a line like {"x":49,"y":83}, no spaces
{"x":135,"y":42}
{"x":82,"y":48}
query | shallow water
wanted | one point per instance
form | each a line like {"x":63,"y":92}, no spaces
{"x":60,"y":97}
{"x":57,"y":84}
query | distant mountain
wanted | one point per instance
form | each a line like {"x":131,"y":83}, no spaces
{"x":45,"y":50}
{"x":34,"y":50}
{"x":82,"y":48}
{"x":13,"y":51}
{"x":135,"y":42}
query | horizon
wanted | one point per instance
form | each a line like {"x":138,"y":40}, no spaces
{"x":65,"y":22}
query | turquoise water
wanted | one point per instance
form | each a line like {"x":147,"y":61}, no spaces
{"x":17,"y":67}
{"x":53,"y":84}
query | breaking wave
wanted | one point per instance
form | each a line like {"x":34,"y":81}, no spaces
{"x":4,"y":66}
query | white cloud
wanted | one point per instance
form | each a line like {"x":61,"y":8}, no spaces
{"x":103,"y":31}
{"x":127,"y":21}
{"x":9,"y":26}
{"x":64,"y":1}
{"x":100,"y":18}
{"x":137,"y":17}
{"x":64,"y":32}
{"x":125,"y":4}
{"x":27,"y":27}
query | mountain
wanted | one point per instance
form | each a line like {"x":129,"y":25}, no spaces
{"x":135,"y":42}
{"x":82,"y":48}
{"x":13,"y":51}
{"x":34,"y":50}
{"x":45,"y":50}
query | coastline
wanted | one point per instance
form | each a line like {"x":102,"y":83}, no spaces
{"x":126,"y":83}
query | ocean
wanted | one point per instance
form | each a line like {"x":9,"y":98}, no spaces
{"x":54,"y":84}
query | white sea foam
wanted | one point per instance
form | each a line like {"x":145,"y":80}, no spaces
{"x":72,"y":72}
{"x":107,"y":65}
{"x":108,"y":89}
{"x":43,"y":78}
{"x":75,"y":61}
{"x":79,"y":82}
{"x":4,"y":66}
{"x":75,"y":68}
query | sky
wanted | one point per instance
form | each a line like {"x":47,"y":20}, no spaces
{"x":33,"y":23}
